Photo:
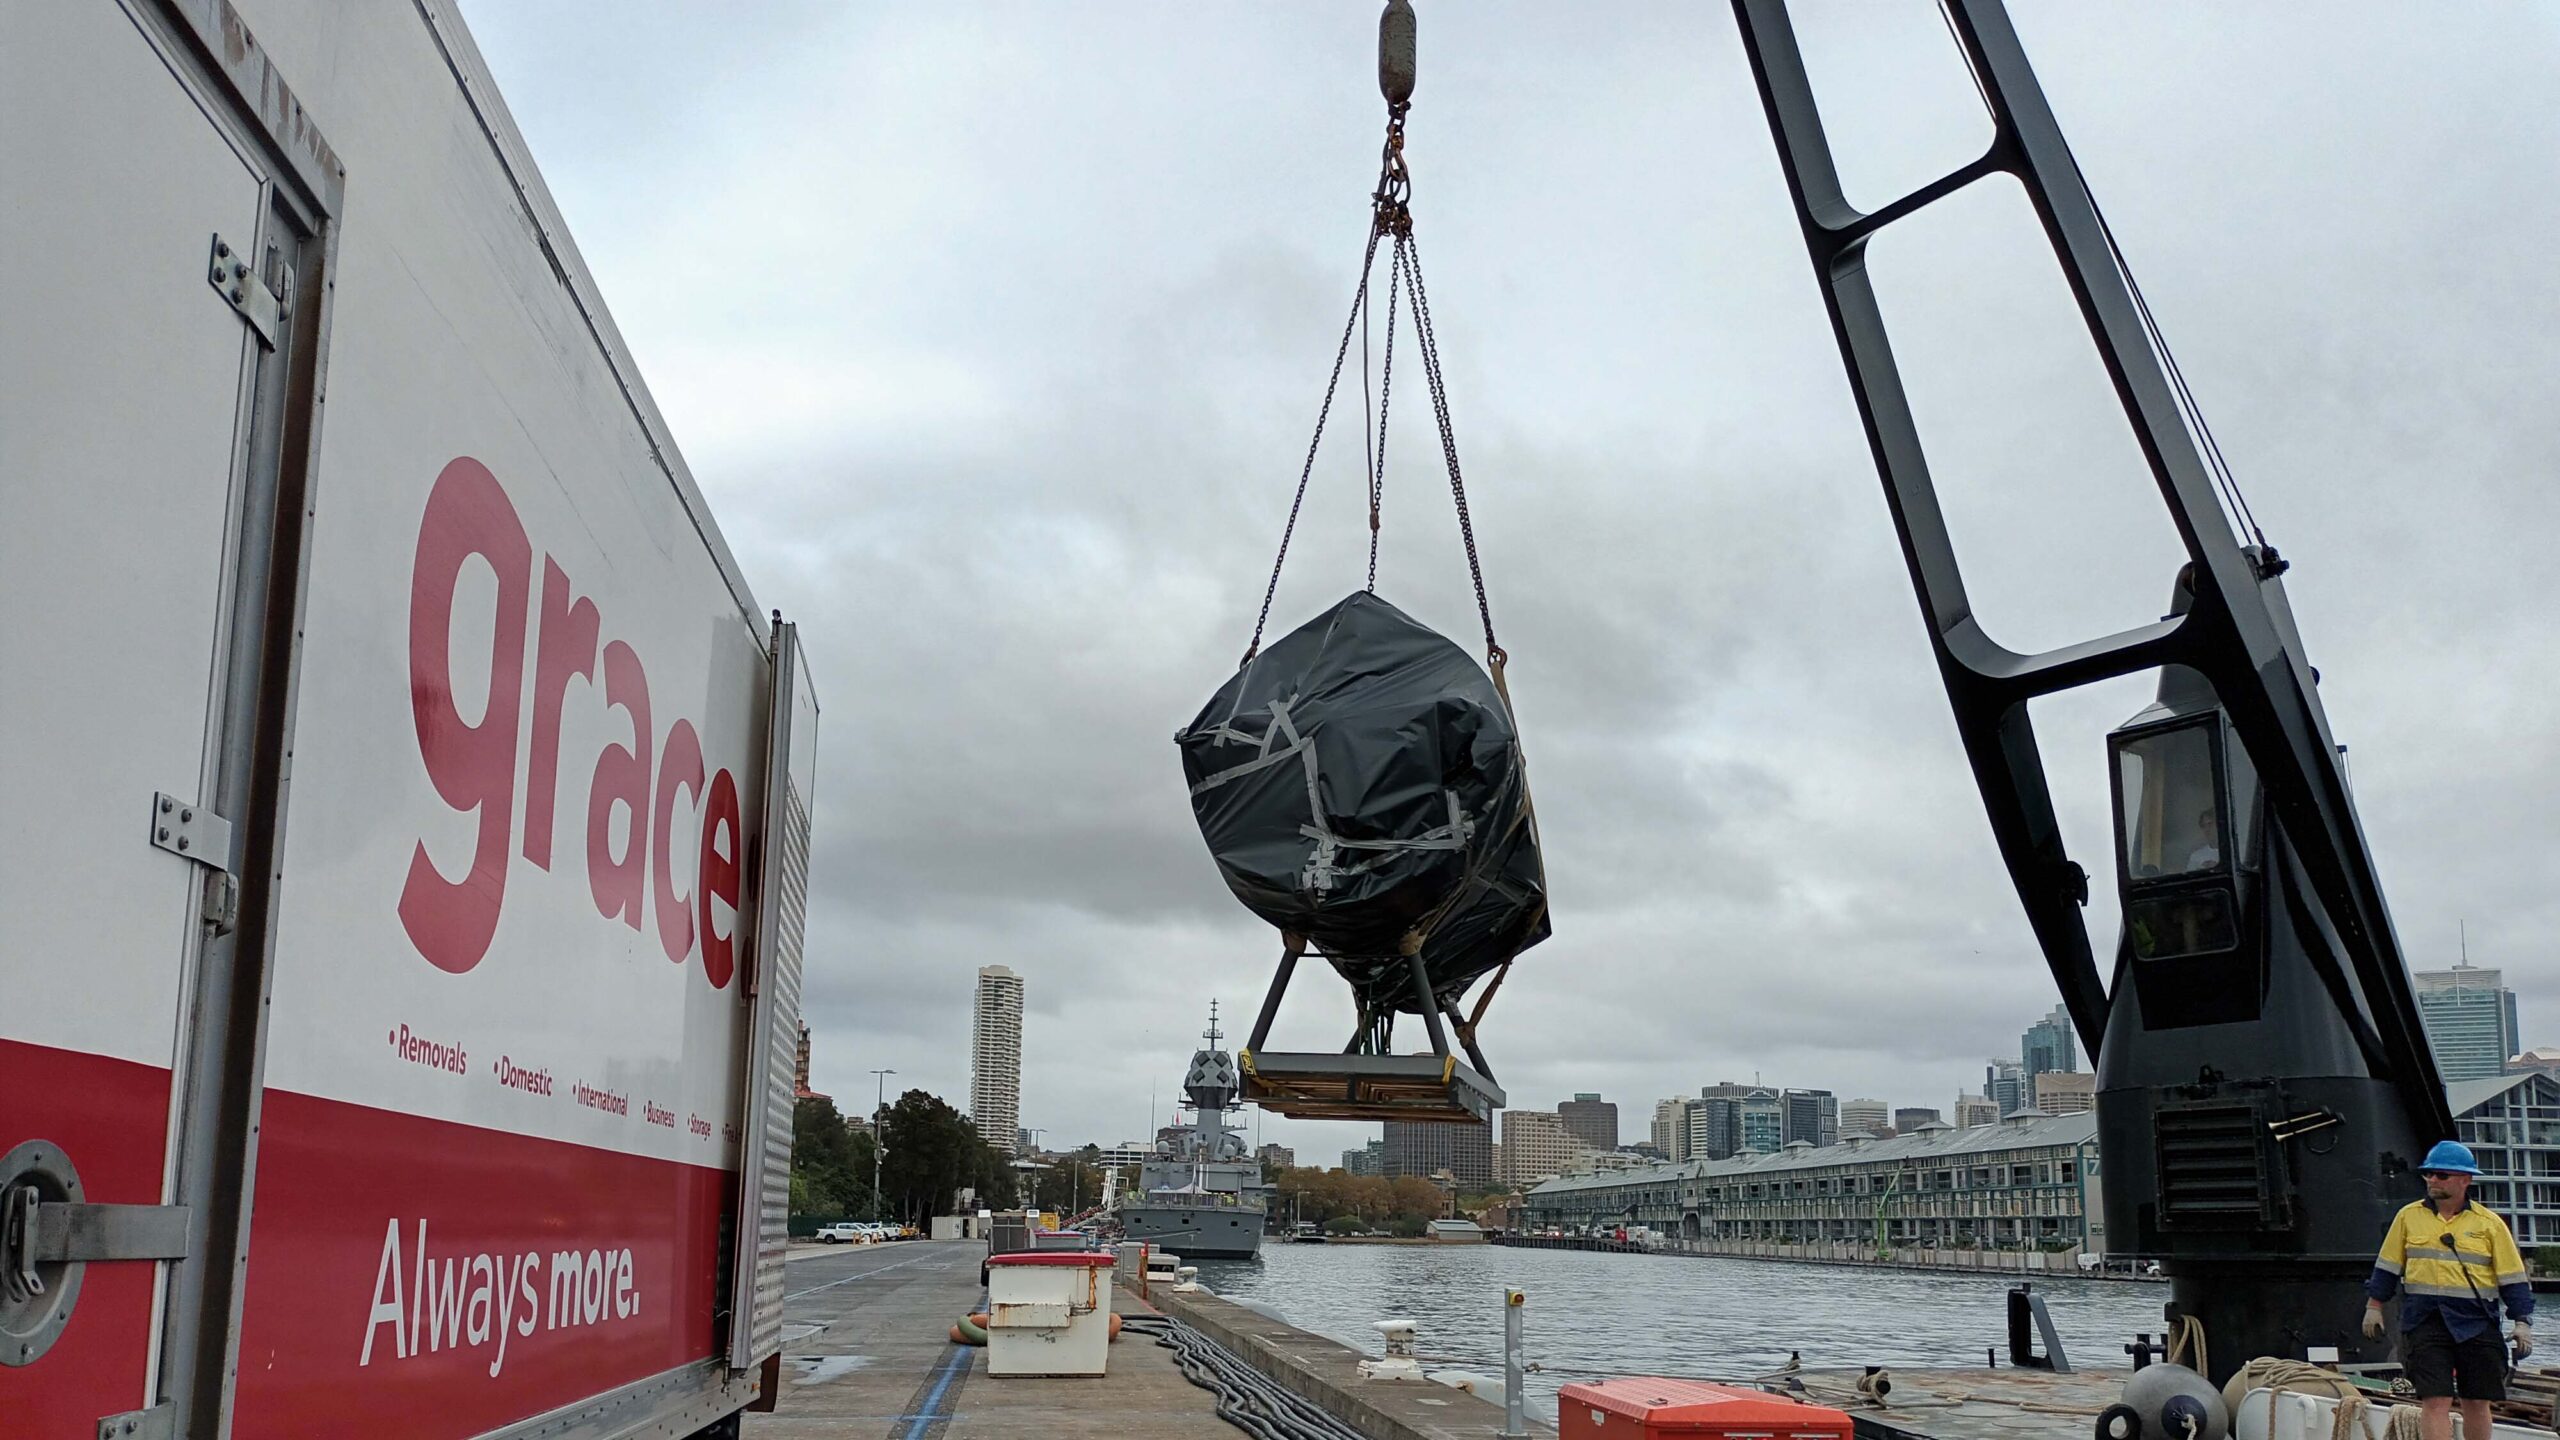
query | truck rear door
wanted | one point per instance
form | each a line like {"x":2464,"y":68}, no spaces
{"x":142,"y":371}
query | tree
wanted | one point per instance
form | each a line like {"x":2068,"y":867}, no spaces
{"x":1071,"y":1185}
{"x":830,"y":1165}
{"x":933,"y":1153}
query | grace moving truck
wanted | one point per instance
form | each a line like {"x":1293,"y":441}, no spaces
{"x":405,"y":814}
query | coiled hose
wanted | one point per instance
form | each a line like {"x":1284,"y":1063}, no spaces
{"x":1247,"y":1399}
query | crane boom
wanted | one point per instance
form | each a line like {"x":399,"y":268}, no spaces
{"x":2207,"y":1081}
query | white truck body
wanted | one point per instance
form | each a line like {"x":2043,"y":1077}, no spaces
{"x":402,"y":872}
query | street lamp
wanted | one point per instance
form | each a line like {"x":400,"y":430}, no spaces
{"x":879,"y":1133}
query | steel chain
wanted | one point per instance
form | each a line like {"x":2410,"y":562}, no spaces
{"x":1386,"y":389}
{"x":1359,"y":305}
{"x":1391,"y":214}
{"x":1411,"y":253}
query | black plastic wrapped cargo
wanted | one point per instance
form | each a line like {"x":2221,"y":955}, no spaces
{"x":1360,"y":782}
{"x":1360,"y":785}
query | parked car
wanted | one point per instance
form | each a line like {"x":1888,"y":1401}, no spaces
{"x":843,"y":1232}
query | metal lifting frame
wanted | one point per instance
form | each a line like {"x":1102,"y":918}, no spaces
{"x":2232,"y":634}
{"x":1365,"y":1080}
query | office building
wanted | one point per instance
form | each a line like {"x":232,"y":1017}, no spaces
{"x":1907,"y":1118}
{"x":1127,"y":1152}
{"x":1369,"y":1159}
{"x":1277,"y":1157}
{"x":1973,"y":1111}
{"x":1869,"y":1117}
{"x":995,"y":1064}
{"x":2470,"y":1019}
{"x":2004,"y":1084}
{"x":2047,"y":1045}
{"x":1671,"y":1126}
{"x":1420,"y":1148}
{"x":2065,"y":1092}
{"x":1762,"y":1120}
{"x":1812,"y":1116}
{"x":1591,"y":1120}
{"x":1536,"y":1145}
{"x":1715,"y":1126}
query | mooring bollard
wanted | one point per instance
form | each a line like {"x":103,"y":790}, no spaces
{"x":1515,"y":1411}
{"x":1400,"y":1362}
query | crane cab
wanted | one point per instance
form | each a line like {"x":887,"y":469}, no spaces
{"x":2190,"y":837}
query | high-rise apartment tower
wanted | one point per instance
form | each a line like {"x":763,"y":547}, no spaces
{"x":995,"y":1060}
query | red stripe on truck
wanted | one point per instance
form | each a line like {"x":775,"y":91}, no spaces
{"x":419,"y":1278}
{"x":111,"y":1118}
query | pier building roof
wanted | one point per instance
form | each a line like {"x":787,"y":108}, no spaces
{"x":2017,"y":1133}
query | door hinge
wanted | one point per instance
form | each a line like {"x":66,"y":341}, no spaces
{"x":160,"y":1422}
{"x":249,"y":289}
{"x":190,"y":831}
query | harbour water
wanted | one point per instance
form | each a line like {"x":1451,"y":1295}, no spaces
{"x":1591,"y":1315}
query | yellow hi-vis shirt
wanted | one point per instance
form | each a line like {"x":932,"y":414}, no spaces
{"x":2460,"y":1268}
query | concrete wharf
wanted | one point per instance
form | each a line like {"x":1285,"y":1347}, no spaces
{"x":867,"y":1353}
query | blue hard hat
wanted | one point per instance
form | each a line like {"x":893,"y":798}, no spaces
{"x":2451,"y":1155}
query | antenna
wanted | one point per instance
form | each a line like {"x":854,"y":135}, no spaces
{"x":2462,"y":930}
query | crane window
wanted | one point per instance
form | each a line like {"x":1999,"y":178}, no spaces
{"x":2170,"y":804}
{"x":2182,"y":923}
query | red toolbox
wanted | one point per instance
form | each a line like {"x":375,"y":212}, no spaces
{"x":1643,"y":1407}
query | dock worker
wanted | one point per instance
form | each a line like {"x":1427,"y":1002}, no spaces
{"x":2454,"y":1264}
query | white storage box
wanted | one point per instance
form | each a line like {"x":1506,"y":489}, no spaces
{"x":1048,"y":1312}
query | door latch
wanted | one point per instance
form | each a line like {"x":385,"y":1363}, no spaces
{"x":35,"y":1231}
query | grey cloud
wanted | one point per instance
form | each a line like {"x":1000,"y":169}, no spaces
{"x":995,"y":337}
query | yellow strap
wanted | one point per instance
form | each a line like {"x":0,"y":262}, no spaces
{"x":1483,"y":999}
{"x":1244,"y":1061}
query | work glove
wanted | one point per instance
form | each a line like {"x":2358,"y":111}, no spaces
{"x":2523,"y":1336}
{"x":2373,"y":1322}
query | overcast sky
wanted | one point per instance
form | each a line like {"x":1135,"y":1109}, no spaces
{"x":994,"y":334}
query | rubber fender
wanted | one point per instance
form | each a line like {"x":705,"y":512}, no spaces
{"x":1115,"y":1327}
{"x":2119,"y":1422}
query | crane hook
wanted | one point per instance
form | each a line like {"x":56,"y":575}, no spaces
{"x":1395,"y":54}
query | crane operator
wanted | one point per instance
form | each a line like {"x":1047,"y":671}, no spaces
{"x":2454,"y":1263}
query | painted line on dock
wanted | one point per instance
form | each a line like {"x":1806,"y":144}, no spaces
{"x":927,"y":1412}
{"x":862,"y":1275}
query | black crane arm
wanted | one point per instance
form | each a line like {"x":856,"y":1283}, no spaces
{"x":2236,"y":633}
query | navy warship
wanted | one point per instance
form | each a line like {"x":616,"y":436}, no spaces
{"x":1202,"y":1195}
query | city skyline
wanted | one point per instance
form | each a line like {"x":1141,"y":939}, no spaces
{"x":1325,"y":1143}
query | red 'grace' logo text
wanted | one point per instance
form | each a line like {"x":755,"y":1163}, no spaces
{"x":474,"y":766}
